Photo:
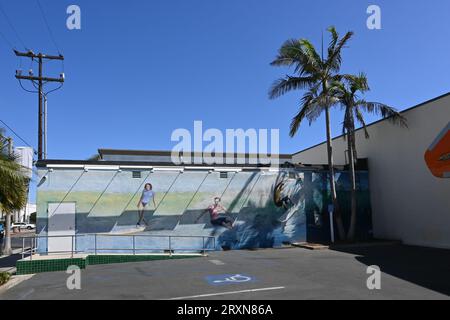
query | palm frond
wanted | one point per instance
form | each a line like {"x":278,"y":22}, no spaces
{"x":360,"y":118}
{"x":289,"y":53}
{"x":313,"y":60}
{"x":334,"y":59}
{"x":308,"y":110}
{"x":334,"y":40}
{"x":358,"y":83}
{"x":284,"y":85}
{"x":13,"y":189}
{"x":384,"y":111}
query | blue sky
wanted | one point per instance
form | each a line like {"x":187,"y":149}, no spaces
{"x":137,"y":70}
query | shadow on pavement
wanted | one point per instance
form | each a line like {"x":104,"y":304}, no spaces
{"x":426,"y":267}
{"x":10,"y":261}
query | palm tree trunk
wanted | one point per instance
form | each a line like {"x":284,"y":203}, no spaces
{"x":352,"y":228}
{"x":337,"y":215}
{"x":6,"y":250}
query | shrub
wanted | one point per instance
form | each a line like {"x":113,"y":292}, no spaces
{"x":4,"y":277}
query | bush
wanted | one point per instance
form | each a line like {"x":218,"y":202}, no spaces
{"x":4,"y":277}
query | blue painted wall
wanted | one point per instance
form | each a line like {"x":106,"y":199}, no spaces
{"x":106,"y":203}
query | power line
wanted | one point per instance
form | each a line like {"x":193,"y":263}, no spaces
{"x":6,"y":40}
{"x":16,"y":134}
{"x":13,"y":28}
{"x":25,"y":89}
{"x":48,"y":26}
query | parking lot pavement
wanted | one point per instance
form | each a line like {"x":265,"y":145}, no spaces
{"x":407,"y":273}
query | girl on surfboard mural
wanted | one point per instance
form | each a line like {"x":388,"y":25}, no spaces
{"x":218,"y":219}
{"x":147,"y":195}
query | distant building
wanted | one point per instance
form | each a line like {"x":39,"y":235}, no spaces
{"x":25,"y":213}
{"x":25,"y":158}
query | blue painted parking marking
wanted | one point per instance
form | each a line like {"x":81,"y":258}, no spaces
{"x":225,"y":279}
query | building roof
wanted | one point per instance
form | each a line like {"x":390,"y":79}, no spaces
{"x":136,"y":164}
{"x":127,"y":152}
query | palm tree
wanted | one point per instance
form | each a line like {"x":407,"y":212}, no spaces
{"x":314,"y":74}
{"x":347,"y":92}
{"x":13,"y":190}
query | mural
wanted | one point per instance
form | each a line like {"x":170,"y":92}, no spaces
{"x":437,"y":157}
{"x":239,"y":210}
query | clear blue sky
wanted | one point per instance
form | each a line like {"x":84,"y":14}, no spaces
{"x":139,"y":69}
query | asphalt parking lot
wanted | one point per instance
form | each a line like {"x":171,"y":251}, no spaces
{"x":294,"y":273}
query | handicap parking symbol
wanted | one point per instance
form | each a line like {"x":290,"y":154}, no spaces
{"x":225,"y":279}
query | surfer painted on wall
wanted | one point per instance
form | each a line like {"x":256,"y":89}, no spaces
{"x":217,"y":214}
{"x":279,"y":199}
{"x":289,"y":195}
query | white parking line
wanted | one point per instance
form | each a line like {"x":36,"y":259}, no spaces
{"x":217,"y":262}
{"x":226,"y":293}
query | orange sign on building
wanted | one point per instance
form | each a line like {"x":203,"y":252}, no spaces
{"x":437,"y":156}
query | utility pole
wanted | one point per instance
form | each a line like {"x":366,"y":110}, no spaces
{"x":40,"y":79}
{"x":45,"y":126}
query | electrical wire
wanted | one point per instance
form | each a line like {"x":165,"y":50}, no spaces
{"x":20,"y":82}
{"x":15,"y":133}
{"x":13,"y":28}
{"x":6,"y":40}
{"x":48,"y":26}
{"x":60,"y":86}
{"x":48,"y":92}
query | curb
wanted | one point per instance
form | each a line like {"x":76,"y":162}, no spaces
{"x":14,"y":251}
{"x":311,"y":246}
{"x":10,"y":270}
{"x":317,"y":246}
{"x":14,"y":281}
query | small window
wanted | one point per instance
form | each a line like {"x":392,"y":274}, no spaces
{"x":223,"y":175}
{"x":136,"y":174}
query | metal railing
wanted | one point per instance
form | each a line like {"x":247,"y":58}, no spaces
{"x":80,"y":247}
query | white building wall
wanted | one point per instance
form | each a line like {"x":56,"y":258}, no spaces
{"x":25,"y":213}
{"x":25,"y":159}
{"x":408,"y":202}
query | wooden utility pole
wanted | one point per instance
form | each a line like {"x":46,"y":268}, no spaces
{"x":40,"y":79}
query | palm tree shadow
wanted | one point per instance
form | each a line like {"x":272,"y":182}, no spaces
{"x":425,"y":267}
